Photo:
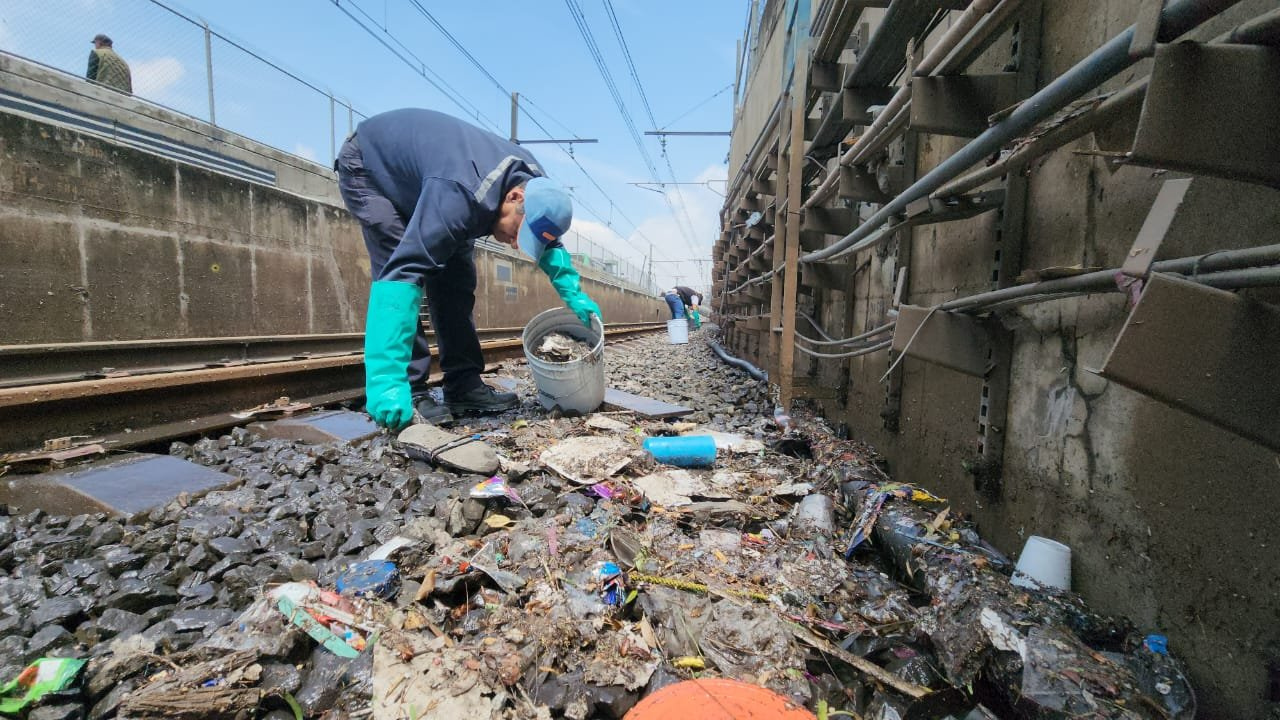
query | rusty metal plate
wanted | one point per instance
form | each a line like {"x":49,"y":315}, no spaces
{"x":948,"y":339}
{"x":1213,"y":109}
{"x":1208,"y":352}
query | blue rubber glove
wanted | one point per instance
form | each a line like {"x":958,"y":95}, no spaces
{"x":388,"y":345}
{"x":558,"y":266}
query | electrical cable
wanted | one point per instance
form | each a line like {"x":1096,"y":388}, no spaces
{"x":593,"y":48}
{"x":421,"y":68}
{"x":854,"y":353}
{"x":849,"y":340}
{"x":644,"y":99}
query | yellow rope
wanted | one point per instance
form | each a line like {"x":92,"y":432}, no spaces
{"x":687,"y":586}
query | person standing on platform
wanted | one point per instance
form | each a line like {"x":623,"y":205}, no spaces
{"x":425,"y":186}
{"x":108,"y":68}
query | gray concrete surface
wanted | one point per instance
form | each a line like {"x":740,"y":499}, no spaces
{"x":1169,"y":518}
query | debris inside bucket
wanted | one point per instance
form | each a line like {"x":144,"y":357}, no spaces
{"x":358,"y":582}
{"x":558,"y":347}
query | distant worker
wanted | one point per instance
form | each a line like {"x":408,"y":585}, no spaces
{"x":425,"y":186}
{"x":675,"y":303}
{"x":691,"y":300}
{"x":108,"y":68}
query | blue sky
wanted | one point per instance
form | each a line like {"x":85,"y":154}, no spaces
{"x":683,"y":53}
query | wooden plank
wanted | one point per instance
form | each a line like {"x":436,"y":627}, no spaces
{"x":1209,"y":352}
{"x":648,"y":407}
{"x":791,"y":249}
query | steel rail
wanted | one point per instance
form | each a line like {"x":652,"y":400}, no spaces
{"x":34,"y":364}
{"x":146,"y":408}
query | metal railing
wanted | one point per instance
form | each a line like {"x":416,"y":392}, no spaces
{"x":180,"y":62}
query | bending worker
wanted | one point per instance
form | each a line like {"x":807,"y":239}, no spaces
{"x":691,"y":300}
{"x":425,"y":186}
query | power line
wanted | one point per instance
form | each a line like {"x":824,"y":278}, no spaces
{"x":644,"y":99}
{"x":688,"y":112}
{"x":593,"y":48}
{"x":421,"y":69}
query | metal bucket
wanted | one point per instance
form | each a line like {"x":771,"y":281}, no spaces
{"x":576,"y":386}
{"x":678,"y":331}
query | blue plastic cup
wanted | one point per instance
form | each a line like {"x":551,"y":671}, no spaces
{"x":683,"y":451}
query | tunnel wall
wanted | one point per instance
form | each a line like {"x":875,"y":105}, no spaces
{"x":1169,"y":517}
{"x":100,"y":240}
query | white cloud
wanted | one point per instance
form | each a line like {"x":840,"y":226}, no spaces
{"x":677,"y":260}
{"x":152,"y":78}
{"x":305,"y":151}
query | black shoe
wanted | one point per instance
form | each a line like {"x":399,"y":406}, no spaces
{"x":432,"y":411}
{"x":483,"y":399}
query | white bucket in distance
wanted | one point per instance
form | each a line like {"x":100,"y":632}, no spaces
{"x":572,"y":387}
{"x":678,"y":331}
{"x":1043,"y":562}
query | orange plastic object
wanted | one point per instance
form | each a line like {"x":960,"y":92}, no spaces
{"x":716,"y":699}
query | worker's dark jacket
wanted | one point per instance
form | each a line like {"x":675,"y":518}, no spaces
{"x":445,"y":177}
{"x":686,"y":295}
{"x":108,"y":68}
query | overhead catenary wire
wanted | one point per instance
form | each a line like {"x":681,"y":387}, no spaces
{"x":644,"y":100}
{"x":421,"y":69}
{"x":593,"y":49}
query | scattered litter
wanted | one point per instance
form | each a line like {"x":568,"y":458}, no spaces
{"x":464,"y":453}
{"x":44,"y":676}
{"x":586,"y":460}
{"x":670,"y":488}
{"x":494,"y":487}
{"x":583,"y":581}
{"x":371,"y":578}
{"x":608,"y":424}
{"x":558,"y":347}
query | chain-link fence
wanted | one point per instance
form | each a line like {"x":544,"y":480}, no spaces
{"x":181,"y":63}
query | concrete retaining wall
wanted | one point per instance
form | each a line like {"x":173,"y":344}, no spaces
{"x":103,"y":241}
{"x":1171,"y":519}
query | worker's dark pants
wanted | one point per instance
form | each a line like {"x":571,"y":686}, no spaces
{"x":450,"y":292}
{"x":676,"y":304}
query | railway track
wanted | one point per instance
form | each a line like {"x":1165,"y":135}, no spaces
{"x":134,"y":393}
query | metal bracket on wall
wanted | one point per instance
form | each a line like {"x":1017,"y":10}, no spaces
{"x":1138,"y":263}
{"x":1147,"y":29}
{"x":829,"y":276}
{"x":952,"y":340}
{"x":1209,"y":352}
{"x":960,"y":104}
{"x":1213,"y":110}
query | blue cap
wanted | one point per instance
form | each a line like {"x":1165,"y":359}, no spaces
{"x":548,"y":212}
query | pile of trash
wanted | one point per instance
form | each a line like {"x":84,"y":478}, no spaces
{"x":560,"y":348}
{"x":578,"y":578}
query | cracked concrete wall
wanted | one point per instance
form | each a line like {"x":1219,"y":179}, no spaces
{"x":104,"y":242}
{"x":1170,"y":518}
